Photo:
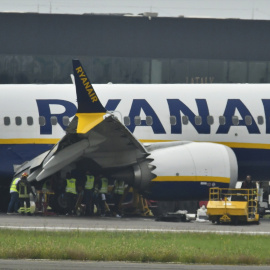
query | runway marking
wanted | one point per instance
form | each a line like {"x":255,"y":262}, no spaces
{"x":29,"y":228}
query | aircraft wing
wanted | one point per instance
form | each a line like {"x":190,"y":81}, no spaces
{"x":93,"y":134}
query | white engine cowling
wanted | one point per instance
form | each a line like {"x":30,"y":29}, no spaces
{"x":182,"y":170}
{"x":186,"y":170}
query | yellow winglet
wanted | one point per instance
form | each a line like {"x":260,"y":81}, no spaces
{"x":86,"y":121}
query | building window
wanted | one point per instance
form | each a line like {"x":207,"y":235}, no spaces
{"x":179,"y":71}
{"x":217,"y":72}
{"x":237,"y":72}
{"x":257,"y":72}
{"x":198,"y":71}
{"x":160,"y":71}
{"x":102,"y":69}
{"x":121,"y":70}
{"x":140,"y":70}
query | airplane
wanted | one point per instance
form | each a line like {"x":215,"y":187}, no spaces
{"x":170,"y":142}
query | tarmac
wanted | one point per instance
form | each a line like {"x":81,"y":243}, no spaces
{"x":61,"y":223}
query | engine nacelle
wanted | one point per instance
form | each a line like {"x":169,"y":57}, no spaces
{"x":183,"y":171}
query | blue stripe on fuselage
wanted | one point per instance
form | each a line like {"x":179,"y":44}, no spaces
{"x":181,"y":190}
{"x":17,"y":154}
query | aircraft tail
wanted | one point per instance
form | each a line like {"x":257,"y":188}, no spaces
{"x":87,"y":98}
{"x":90,"y":110}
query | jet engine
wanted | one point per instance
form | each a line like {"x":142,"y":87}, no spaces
{"x":183,"y":170}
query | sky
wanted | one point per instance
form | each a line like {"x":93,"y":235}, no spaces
{"x":241,"y":9}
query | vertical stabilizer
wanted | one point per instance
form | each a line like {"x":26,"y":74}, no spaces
{"x":90,"y":110}
{"x":88,"y":101}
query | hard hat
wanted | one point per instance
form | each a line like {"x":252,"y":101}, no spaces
{"x":24,"y":174}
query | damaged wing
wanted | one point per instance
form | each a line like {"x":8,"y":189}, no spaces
{"x":93,"y":134}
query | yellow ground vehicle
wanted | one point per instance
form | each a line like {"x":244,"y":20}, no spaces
{"x":227,"y":205}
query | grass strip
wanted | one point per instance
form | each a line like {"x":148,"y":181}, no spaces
{"x":136,"y":247}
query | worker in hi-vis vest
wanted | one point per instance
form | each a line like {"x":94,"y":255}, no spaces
{"x":13,"y":205}
{"x":24,"y":190}
{"x":118,"y":192}
{"x":89,"y":193}
{"x":71,"y":194}
{"x":103,"y":184}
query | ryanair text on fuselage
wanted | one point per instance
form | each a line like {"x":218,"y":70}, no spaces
{"x":176,"y":108}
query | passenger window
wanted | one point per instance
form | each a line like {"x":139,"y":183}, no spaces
{"x":260,"y":120}
{"x":198,"y":120}
{"x":42,"y":121}
{"x":185,"y":119}
{"x":29,"y":121}
{"x":54,"y":120}
{"x":127,"y":121}
{"x":6,"y":121}
{"x":172,"y":120}
{"x":210,"y":120}
{"x":137,"y":120}
{"x":18,"y":120}
{"x":235,"y":120}
{"x":248,"y":120}
{"x":222,"y":120}
{"x":65,"y":120}
{"x":149,"y":120}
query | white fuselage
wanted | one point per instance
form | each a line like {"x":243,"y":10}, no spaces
{"x":163,"y":113}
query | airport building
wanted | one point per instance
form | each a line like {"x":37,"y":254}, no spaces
{"x":38,"y":48}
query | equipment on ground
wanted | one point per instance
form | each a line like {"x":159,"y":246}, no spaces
{"x":227,"y":205}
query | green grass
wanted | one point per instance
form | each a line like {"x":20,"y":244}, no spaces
{"x":136,"y":247}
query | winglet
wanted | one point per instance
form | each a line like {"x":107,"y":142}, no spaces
{"x":90,"y":111}
{"x":88,"y":101}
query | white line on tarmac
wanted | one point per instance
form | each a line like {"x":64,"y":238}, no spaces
{"x":29,"y":228}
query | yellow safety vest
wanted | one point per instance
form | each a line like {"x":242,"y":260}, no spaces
{"x":104,"y":186}
{"x":23,"y":190}
{"x":14,"y":184}
{"x":71,"y":186}
{"x":90,"y":179}
{"x":119,"y":187}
